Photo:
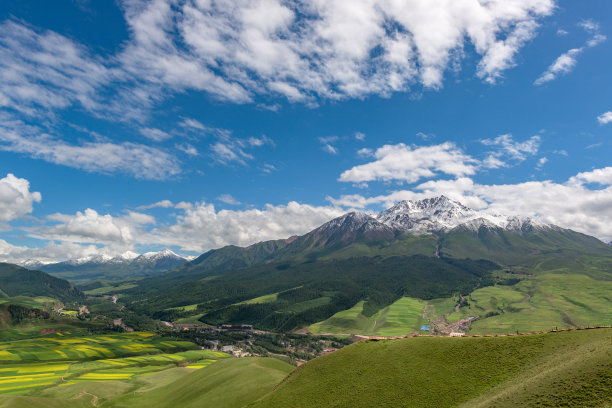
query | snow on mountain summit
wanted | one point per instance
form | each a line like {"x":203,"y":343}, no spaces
{"x":430,"y":214}
{"x":156,"y":256}
{"x":443,"y":214}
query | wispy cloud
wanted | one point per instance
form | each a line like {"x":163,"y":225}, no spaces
{"x":328,"y":144}
{"x":268,"y":168}
{"x":192,"y":123}
{"x":228,"y":151}
{"x":44,"y":71}
{"x":159,"y":204}
{"x":566,"y":62}
{"x":509,"y":149}
{"x":541,"y":162}
{"x":187,"y":149}
{"x":330,"y":149}
{"x":228,"y":199}
{"x":156,"y":135}
{"x":136,"y":160}
{"x":359,"y":136}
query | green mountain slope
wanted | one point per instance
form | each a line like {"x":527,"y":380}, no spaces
{"x":18,"y":281}
{"x":571,"y":368}
{"x":311,"y":291}
{"x":529,"y":249}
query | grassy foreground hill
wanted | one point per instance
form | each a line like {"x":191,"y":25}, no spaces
{"x":572,"y":368}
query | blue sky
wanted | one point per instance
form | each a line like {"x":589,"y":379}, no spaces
{"x":135,"y":125}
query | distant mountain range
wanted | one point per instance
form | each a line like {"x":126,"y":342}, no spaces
{"x":126,"y":265}
{"x":422,"y":249}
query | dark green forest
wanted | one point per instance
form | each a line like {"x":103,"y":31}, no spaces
{"x":312,"y":291}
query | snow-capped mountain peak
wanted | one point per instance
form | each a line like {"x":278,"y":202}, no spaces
{"x":443,"y":214}
{"x":430,"y":214}
{"x":92,"y":259}
{"x":125,"y":257}
{"x":32,"y":263}
{"x":166,"y":253}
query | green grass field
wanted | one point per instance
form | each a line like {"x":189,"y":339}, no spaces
{"x":109,"y":289}
{"x":261,"y":299}
{"x":194,"y":319}
{"x":37,"y":302}
{"x":187,"y":308}
{"x":572,"y":368}
{"x":536,"y":303}
{"x":231,"y":383}
{"x":402,"y":317}
{"x":540,"y":303}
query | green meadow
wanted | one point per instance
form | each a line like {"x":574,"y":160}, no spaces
{"x":534,"y":303}
{"x":563,"y":369}
{"x":109,"y":289}
{"x":404,"y":316}
{"x":38,"y":302}
{"x":539,"y":303}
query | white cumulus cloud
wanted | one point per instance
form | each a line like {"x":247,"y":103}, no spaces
{"x":16,"y":199}
{"x":330,"y":49}
{"x":89,"y":226}
{"x":404,"y":163}
{"x":202,"y":227}
{"x":50,"y":252}
{"x":605,"y":118}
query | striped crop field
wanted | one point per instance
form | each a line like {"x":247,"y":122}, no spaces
{"x":18,"y":378}
{"x":58,"y":347}
{"x":61,"y":360}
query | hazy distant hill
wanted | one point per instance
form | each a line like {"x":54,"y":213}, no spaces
{"x":18,"y":281}
{"x":101,"y":267}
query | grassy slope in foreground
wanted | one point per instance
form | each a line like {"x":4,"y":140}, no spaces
{"x":571,"y":368}
{"x":225,"y":384}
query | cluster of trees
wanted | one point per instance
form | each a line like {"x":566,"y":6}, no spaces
{"x":20,"y":313}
